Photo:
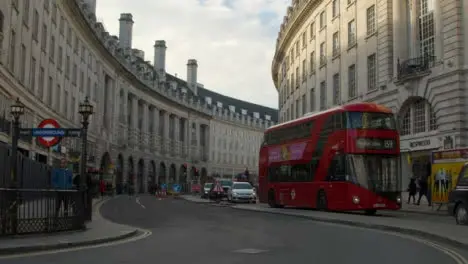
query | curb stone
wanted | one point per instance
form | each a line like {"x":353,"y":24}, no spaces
{"x":65,"y":245}
{"x":402,"y":230}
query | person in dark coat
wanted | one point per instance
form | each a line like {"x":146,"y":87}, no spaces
{"x":412,"y":189}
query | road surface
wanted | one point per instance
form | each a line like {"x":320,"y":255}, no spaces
{"x":185,"y":232}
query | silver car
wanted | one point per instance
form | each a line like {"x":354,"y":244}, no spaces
{"x":206,"y":190}
{"x":242,"y":192}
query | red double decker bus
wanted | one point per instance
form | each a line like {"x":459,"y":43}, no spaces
{"x":342,"y":159}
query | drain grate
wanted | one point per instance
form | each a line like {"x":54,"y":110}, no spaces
{"x":250,"y":251}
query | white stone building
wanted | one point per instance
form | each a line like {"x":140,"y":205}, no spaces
{"x":148,"y":125}
{"x":410,"y":55}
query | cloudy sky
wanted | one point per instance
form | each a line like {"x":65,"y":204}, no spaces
{"x":233,"y":40}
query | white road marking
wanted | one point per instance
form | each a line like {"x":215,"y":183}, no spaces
{"x":145,"y":234}
{"x":250,"y":251}
{"x":137,"y":200}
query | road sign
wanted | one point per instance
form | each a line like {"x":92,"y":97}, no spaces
{"x":48,"y":133}
{"x":176,"y":188}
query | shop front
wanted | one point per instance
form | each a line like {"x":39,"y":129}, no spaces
{"x":415,"y":157}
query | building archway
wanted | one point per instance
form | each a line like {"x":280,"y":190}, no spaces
{"x":183,"y":174}
{"x":162,"y":173}
{"x":172,"y":173}
{"x":151,"y":175}
{"x":204,"y":175}
{"x":106,"y":163}
{"x":119,"y":169}
{"x":140,"y":176}
{"x":130,"y":172}
{"x":107,"y":170}
{"x":416,"y":116}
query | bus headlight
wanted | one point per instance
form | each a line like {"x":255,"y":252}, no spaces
{"x":398,"y":199}
{"x":356,"y":199}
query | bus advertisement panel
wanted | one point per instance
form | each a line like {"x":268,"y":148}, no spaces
{"x":342,"y":159}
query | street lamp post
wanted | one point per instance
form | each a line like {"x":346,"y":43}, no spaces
{"x":17,"y":110}
{"x":86,"y":110}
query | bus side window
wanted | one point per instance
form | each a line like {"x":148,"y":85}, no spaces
{"x":272,"y":174}
{"x":300,"y":172}
{"x":314,"y":164}
{"x":337,"y":169}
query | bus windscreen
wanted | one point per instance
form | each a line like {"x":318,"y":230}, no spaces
{"x":370,"y":120}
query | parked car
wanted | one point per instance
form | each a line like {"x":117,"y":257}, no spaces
{"x":206,"y":190}
{"x":458,"y":198}
{"x":242,"y":192}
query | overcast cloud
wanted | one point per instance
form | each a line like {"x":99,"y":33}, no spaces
{"x":232,"y":40}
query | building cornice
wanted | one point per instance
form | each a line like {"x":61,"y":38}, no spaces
{"x":287,"y":35}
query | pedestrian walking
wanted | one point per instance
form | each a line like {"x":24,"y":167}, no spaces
{"x":412,"y":189}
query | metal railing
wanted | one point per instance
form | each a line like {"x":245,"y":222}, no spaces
{"x":26,"y":211}
{"x":415,"y":66}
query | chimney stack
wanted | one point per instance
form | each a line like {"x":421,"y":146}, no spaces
{"x":125,"y":31}
{"x":192,"y":67}
{"x":160,"y":56}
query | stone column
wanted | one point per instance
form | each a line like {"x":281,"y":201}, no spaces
{"x":438,"y":35}
{"x":177,"y":134}
{"x":186,"y":135}
{"x":145,"y":126}
{"x":414,"y":34}
{"x":165,"y":135}
{"x":155,"y":114}
{"x":124,"y":112}
{"x":198,"y":137}
{"x":207,"y":143}
{"x":134,"y":120}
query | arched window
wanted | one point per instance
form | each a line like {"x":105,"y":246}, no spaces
{"x":417,"y":116}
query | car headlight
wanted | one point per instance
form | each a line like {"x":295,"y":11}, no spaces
{"x":234,"y":194}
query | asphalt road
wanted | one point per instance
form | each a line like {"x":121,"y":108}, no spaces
{"x":185,"y":232}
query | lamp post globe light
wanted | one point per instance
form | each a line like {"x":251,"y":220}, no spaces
{"x":85,"y":109}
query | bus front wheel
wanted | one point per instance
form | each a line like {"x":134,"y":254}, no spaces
{"x":322,"y":203}
{"x":272,"y":199}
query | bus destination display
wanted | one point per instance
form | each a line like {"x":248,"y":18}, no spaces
{"x":375,"y":143}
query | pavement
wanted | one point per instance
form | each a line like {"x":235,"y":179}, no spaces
{"x":98,"y":231}
{"x":186,"y":232}
{"x":423,"y":208}
{"x":441,"y":228}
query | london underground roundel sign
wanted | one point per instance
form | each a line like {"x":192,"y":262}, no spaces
{"x":48,"y":141}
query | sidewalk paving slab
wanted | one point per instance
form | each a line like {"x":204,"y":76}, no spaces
{"x":98,"y":231}
{"x":446,"y":233}
{"x":423,"y":208}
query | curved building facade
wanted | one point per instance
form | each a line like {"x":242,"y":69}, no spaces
{"x":408,"y":55}
{"x":148,"y":126}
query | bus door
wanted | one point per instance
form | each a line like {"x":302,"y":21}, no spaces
{"x":337,"y":181}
